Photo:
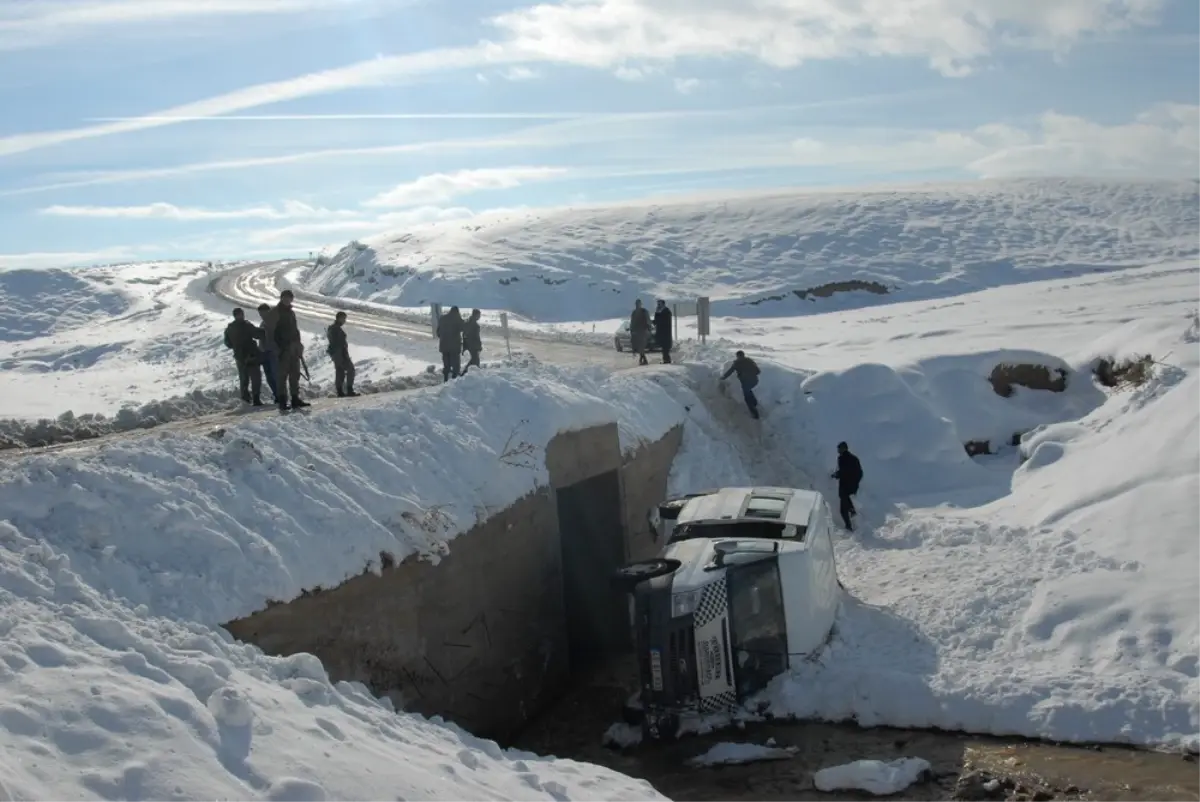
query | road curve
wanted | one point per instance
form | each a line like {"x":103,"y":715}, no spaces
{"x":254,"y":284}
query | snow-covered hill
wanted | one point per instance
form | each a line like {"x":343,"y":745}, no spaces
{"x":129,"y":342}
{"x":773,"y":254}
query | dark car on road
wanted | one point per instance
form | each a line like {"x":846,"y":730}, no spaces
{"x":624,"y":340}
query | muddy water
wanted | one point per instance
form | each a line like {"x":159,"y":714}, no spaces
{"x":1026,"y":770}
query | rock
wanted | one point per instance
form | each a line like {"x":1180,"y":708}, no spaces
{"x":1041,"y":795}
{"x":979,"y":785}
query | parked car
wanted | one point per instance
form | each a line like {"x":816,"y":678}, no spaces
{"x":746,"y":587}
{"x":624,"y":340}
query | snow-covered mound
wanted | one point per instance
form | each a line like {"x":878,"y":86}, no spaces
{"x":772,"y":254}
{"x":100,"y":337}
{"x":117,"y":566}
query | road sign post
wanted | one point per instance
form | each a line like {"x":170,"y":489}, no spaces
{"x":504,"y":330}
{"x":702,"y":319}
{"x":435,"y":315}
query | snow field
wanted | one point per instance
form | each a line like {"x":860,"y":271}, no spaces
{"x":754,"y":253}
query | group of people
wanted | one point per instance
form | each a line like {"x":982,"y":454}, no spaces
{"x":273,"y":350}
{"x":642,"y":327}
{"x":456,"y":337}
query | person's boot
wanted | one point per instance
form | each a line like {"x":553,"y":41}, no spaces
{"x":257,"y":401}
{"x":340,"y":394}
{"x":350,"y":393}
{"x":246,"y":398}
{"x":299,"y":403}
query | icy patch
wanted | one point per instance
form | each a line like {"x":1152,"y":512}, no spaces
{"x":873,"y":776}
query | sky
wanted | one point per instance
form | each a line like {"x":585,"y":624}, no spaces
{"x":217,"y":129}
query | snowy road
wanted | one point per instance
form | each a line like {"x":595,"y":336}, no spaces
{"x":259,"y":283}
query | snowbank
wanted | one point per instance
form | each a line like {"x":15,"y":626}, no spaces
{"x":773,"y":254}
{"x":101,"y":700}
{"x":209,"y":529}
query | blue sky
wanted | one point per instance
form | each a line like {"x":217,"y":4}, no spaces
{"x":142,"y":129}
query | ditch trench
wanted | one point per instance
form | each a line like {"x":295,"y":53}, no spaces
{"x":573,"y":728}
{"x":510,"y":631}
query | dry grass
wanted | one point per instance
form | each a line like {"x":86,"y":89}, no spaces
{"x":1035,"y":377}
{"x":1131,"y":372}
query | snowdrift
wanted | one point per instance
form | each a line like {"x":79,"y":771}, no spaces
{"x":1057,"y":597}
{"x":117,"y":565}
{"x":211,"y":528}
{"x":102,"y":700}
{"x":772,"y":254}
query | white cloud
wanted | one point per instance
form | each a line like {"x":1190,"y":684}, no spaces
{"x":440,"y":187}
{"x":288,"y":210}
{"x":685,"y":86}
{"x":632,"y":36}
{"x":520,"y":73}
{"x":33,"y":23}
{"x":376,"y":72}
{"x":952,"y":35}
{"x":304,"y":235}
{"x":1163,"y":142}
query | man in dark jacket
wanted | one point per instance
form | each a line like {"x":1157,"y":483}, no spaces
{"x":849,"y":474}
{"x":290,"y":349}
{"x":639,"y":330}
{"x":339,"y":352}
{"x":450,"y":343}
{"x":472,"y":340}
{"x":240,"y":337}
{"x":747,"y":372}
{"x":662,"y":330}
{"x":269,"y":358}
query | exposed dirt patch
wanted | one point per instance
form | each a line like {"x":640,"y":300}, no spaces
{"x":826,"y":290}
{"x":1131,"y":372}
{"x":1035,"y":377}
{"x":961,"y":764}
{"x":977,"y":448}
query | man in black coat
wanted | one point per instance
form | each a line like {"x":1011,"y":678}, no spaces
{"x":241,"y":337}
{"x":849,"y":474}
{"x":662,"y":330}
{"x":339,"y":352}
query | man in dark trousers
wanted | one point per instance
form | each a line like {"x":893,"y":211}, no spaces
{"x":639,"y":330}
{"x":339,"y":352}
{"x":270,"y":361}
{"x":291,"y":352}
{"x":472,"y":340}
{"x":450,"y":343}
{"x":849,"y":474}
{"x":662,"y":330}
{"x":747,"y":372}
{"x":241,"y":337}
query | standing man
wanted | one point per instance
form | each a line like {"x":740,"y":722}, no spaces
{"x":339,"y":352}
{"x":639,"y":330}
{"x":662,"y":330}
{"x":747,"y":372}
{"x":450,"y":343}
{"x":291,"y":352}
{"x":849,"y":474}
{"x":270,"y":357}
{"x":240,"y":337}
{"x":472,"y":340}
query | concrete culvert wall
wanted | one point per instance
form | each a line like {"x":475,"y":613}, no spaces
{"x":489,"y":636}
{"x":1036,"y":377}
